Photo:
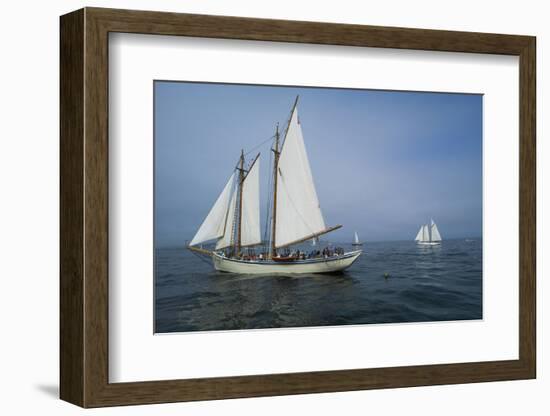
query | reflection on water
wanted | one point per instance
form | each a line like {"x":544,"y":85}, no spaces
{"x":391,"y":282}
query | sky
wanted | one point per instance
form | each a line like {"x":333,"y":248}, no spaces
{"x":383,"y":162}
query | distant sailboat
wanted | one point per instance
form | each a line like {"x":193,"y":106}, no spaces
{"x":233,"y":223}
{"x":428,"y":235}
{"x":356,"y":241}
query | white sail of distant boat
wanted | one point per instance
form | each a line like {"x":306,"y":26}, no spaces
{"x":356,"y":241}
{"x":435,"y":232}
{"x":428,"y":234}
{"x":233,"y":223}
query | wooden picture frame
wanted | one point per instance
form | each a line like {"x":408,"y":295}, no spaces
{"x":84,"y":207}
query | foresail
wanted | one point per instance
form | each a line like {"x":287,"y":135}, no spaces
{"x":298,"y":211}
{"x":419,"y":235}
{"x":435,"y":233}
{"x":226,"y":237}
{"x":250,"y":221}
{"x":213,"y":225}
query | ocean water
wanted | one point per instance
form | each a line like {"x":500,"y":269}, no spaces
{"x":423,"y":284}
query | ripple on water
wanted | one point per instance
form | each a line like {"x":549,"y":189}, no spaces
{"x":390,"y":283}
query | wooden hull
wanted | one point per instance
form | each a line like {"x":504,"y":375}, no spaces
{"x":284,"y":259}
{"x":310,"y":266}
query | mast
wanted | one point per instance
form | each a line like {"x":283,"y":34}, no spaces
{"x":274,"y":210}
{"x":240,"y":212}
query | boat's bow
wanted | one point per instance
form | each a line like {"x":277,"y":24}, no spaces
{"x":200,"y":250}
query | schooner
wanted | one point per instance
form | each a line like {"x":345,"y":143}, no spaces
{"x":428,"y":235}
{"x":295,"y":216}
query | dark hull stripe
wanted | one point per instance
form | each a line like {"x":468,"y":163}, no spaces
{"x":282,"y":263}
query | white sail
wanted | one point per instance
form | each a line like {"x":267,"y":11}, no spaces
{"x":419,"y":235}
{"x":435,"y":232}
{"x":250,"y":221}
{"x":298,"y":211}
{"x":425,"y":233}
{"x":214,"y":224}
{"x":356,"y":238}
{"x":226,"y":237}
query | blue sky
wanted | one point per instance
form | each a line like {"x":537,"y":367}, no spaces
{"x":384,"y":162}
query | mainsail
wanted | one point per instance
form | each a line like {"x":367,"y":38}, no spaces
{"x":298,"y":214}
{"x":435,"y":232}
{"x":213,"y":225}
{"x":356,"y":238}
{"x":250,"y":215}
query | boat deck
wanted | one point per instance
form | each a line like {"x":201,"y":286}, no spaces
{"x":320,"y":259}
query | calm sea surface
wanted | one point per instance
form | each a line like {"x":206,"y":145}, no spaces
{"x":424,"y":284}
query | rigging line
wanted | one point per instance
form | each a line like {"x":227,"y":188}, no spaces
{"x":273,"y":136}
{"x":199,"y":256}
{"x":259,"y":145}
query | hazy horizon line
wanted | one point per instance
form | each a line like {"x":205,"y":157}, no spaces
{"x":336,"y":242}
